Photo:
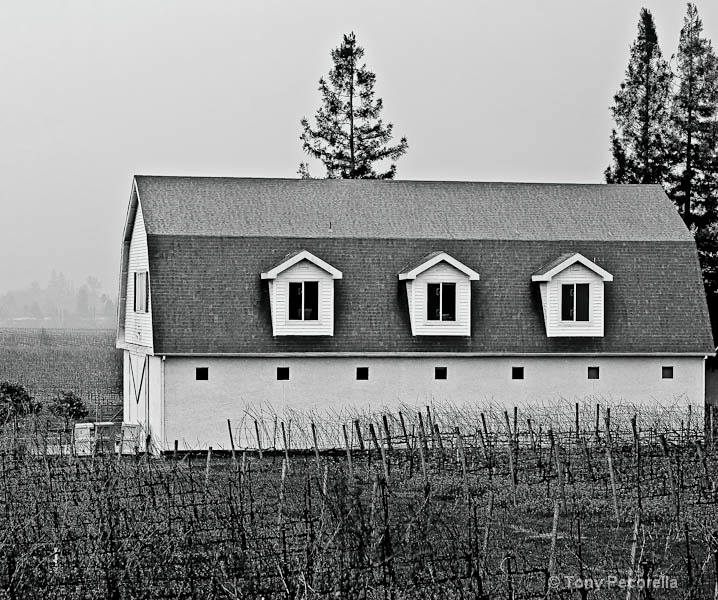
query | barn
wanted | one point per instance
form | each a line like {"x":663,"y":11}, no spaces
{"x":326,"y":295}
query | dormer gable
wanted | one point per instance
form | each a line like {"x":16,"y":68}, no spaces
{"x":301,"y":295}
{"x":572,"y":295}
{"x":438,"y":289}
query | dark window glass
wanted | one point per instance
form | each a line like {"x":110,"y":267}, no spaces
{"x":440,"y":372}
{"x":311,"y":300}
{"x":282,"y":373}
{"x":362,"y":373}
{"x":202,"y":373}
{"x":517,"y":372}
{"x":582,"y":302}
{"x":448,"y":302}
{"x":567,"y":302}
{"x":593,"y":372}
{"x":667,"y":372}
{"x":433,"y":301}
{"x":295,"y":300}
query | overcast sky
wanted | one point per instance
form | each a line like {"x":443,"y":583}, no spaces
{"x":95,"y":91}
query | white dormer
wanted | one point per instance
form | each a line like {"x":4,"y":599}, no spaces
{"x":572,"y":296}
{"x":301,"y":295}
{"x":438,"y":289}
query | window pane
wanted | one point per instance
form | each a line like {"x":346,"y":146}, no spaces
{"x":295,"y":300}
{"x":141,"y":292}
{"x":517,"y":372}
{"x":311,"y":300}
{"x":582,"y":302}
{"x":362,"y":373}
{"x":433,"y":290}
{"x":202,"y":373}
{"x":667,"y":372}
{"x":440,"y":372}
{"x":593,"y":372}
{"x":448,"y":304}
{"x":567,"y":302}
{"x":282,"y":373}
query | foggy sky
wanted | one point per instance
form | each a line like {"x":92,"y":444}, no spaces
{"x":96,"y":91}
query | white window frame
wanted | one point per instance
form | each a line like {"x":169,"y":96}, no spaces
{"x":144,"y":306}
{"x":568,"y":322}
{"x":441,"y":321}
{"x":318,"y":320}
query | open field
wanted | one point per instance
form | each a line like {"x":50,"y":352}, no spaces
{"x":510,"y":508}
{"x":46,"y":361}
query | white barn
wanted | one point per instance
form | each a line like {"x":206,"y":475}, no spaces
{"x":323,"y":294}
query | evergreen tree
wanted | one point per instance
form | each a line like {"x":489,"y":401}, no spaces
{"x":640,"y":112}
{"x":349,"y":136}
{"x":692,"y":180}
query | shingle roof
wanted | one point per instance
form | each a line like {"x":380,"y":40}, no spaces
{"x":209,"y":240}
{"x":215,"y":206}
{"x":543,"y":269}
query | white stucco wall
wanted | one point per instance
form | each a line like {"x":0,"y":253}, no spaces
{"x":196,"y":412}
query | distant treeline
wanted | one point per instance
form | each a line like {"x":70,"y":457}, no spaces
{"x":60,"y":303}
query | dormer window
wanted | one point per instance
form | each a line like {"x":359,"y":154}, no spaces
{"x":574,"y":301}
{"x":301,"y":295}
{"x":441,"y":301}
{"x":438,"y":289}
{"x":572,"y":294}
{"x":303,"y":300}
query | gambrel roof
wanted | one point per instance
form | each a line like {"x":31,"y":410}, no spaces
{"x":209,"y":239}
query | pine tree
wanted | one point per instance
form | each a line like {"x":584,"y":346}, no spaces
{"x":350,"y":137}
{"x":693,"y":133}
{"x":640,"y":113}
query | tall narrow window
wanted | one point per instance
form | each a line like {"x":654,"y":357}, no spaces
{"x":141,"y":292}
{"x":574,"y":302}
{"x":441,"y":302}
{"x":303,"y":300}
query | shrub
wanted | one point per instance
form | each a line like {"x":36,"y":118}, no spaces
{"x":15,"y":402}
{"x":68,"y":406}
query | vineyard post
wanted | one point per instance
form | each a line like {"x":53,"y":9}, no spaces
{"x":440,"y":444}
{"x":531,"y":435}
{"x":259,"y":439}
{"x":360,"y":439}
{"x":554,"y":536}
{"x":558,"y":457}
{"x":422,"y":458}
{"x":671,"y":476}
{"x":387,"y":433}
{"x":316,"y":446}
{"x":586,"y":453}
{"x":578,"y":434}
{"x":611,"y":472}
{"x":174,"y":452}
{"x":704,"y":464}
{"x":422,"y":436}
{"x":462,"y":459}
{"x":516,"y":429}
{"x":408,"y":445}
{"x":206,"y":471}
{"x":598,"y":416}
{"x":380,"y":449}
{"x":349,"y":452}
{"x":633,"y":567}
{"x":231,"y":442}
{"x":512,"y":472}
{"x":637,"y":461}
{"x":286,"y":448}
{"x":430,"y":426}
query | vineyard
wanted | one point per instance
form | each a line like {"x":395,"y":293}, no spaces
{"x":600,"y":503}
{"x":46,"y":361}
